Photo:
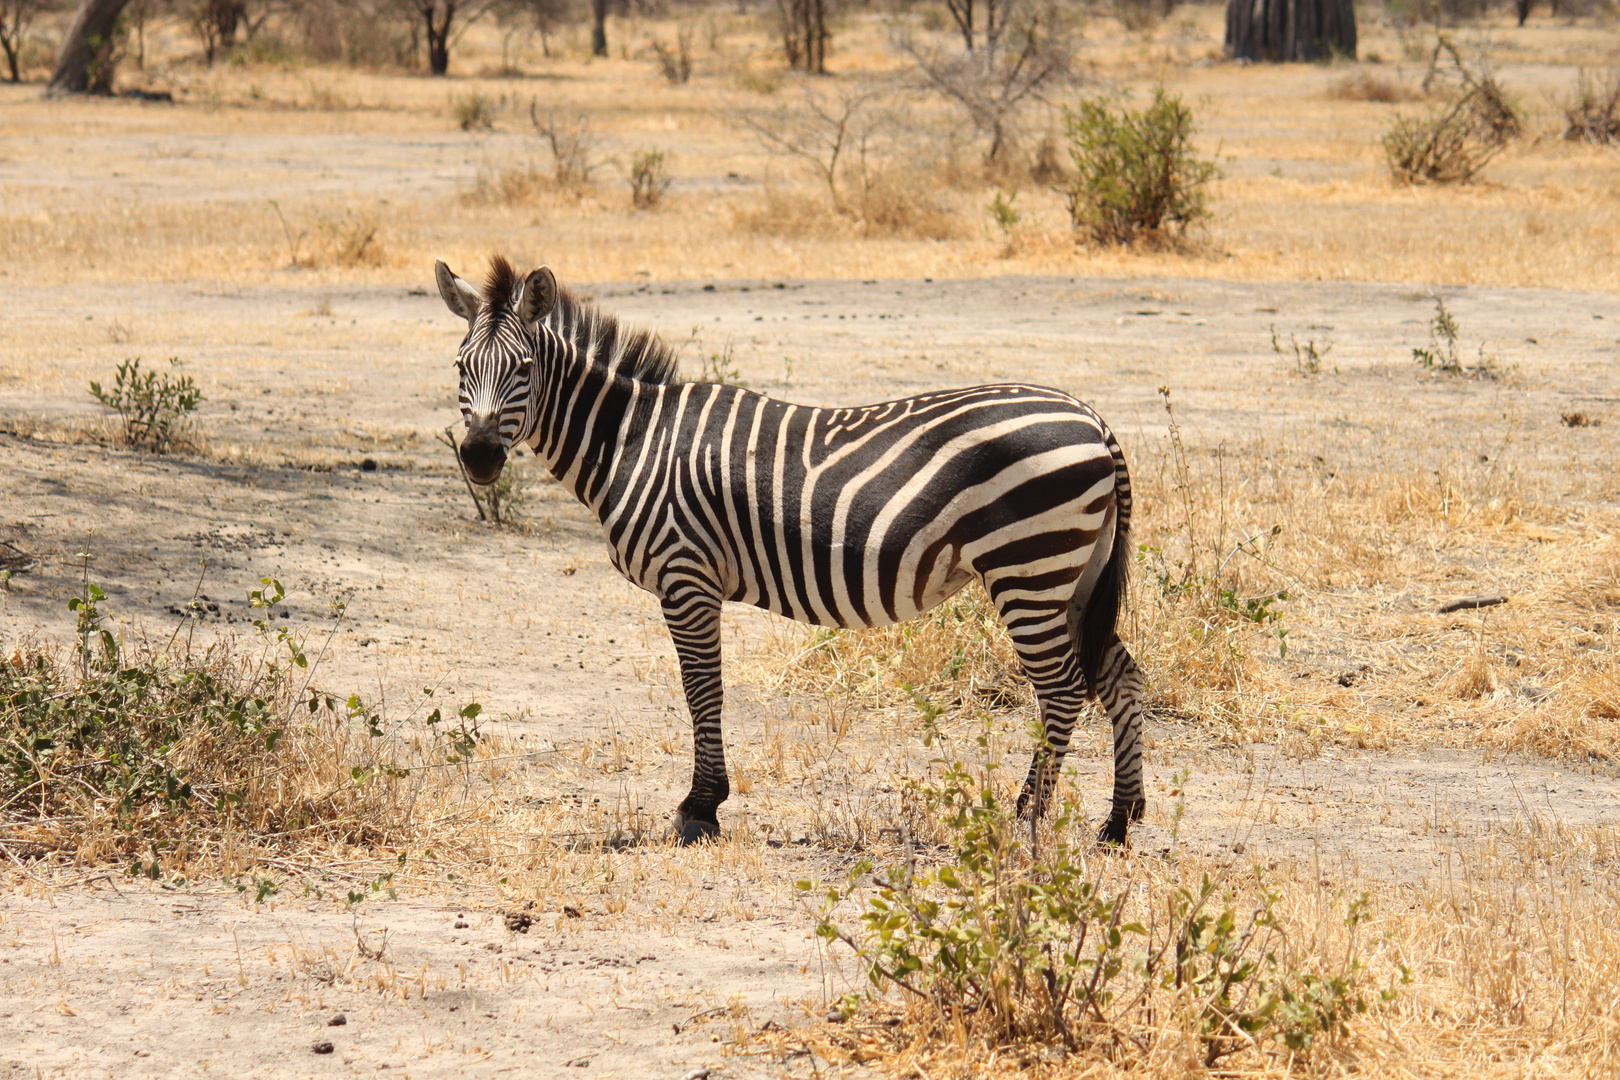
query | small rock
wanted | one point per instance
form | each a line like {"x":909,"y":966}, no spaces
{"x":461,"y":926}
{"x":1239,"y":848}
{"x":337,"y":1021}
{"x":518,"y":922}
{"x":368,"y":465}
{"x":836,"y":1016}
{"x":321,"y":1048}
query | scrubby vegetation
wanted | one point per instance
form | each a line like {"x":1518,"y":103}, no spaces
{"x":1136,"y":173}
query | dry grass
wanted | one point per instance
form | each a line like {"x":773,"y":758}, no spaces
{"x":1366,"y":85}
{"x":1315,"y":152}
{"x":1369,"y":662}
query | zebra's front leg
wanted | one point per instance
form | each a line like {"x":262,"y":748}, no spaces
{"x":693,"y":616}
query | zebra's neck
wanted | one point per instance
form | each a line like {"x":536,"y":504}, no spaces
{"x":581,"y":410}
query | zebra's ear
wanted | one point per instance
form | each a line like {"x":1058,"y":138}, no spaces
{"x":459,"y":296}
{"x":539,"y":295}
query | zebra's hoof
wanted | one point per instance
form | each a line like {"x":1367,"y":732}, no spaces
{"x":1112,"y":834}
{"x":692,"y":831}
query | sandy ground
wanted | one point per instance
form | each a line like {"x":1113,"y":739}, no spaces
{"x":305,"y":383}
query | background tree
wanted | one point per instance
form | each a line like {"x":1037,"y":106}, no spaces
{"x":1022,"y":50}
{"x":15,"y":18}
{"x":90,"y":51}
{"x":599,"y":14}
{"x":804,"y":33}
{"x":1287,"y":30}
{"x":437,"y":20}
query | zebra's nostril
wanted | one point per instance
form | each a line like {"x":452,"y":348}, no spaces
{"x":483,"y":459}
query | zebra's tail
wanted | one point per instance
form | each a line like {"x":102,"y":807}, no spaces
{"x":1094,"y":608}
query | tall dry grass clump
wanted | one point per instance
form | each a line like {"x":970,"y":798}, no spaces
{"x":1593,"y":114}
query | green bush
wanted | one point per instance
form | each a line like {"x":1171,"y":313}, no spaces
{"x":1135,"y":173}
{"x":167,"y":755}
{"x":1020,"y":945}
{"x":152,"y":406}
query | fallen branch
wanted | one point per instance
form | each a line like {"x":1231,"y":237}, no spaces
{"x":1469,"y":603}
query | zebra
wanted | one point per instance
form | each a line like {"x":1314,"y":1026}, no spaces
{"x":847,"y":517}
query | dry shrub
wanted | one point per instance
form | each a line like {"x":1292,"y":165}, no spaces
{"x":510,"y":185}
{"x":1368,"y":86}
{"x":789,"y":215}
{"x":1593,"y":114}
{"x":898,"y":204}
{"x":1446,"y":146}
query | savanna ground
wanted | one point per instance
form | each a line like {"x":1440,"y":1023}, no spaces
{"x":515,"y":909}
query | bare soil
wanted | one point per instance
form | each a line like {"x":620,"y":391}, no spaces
{"x":306,"y":384}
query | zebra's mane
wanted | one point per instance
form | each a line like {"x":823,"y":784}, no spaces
{"x":632,"y":352}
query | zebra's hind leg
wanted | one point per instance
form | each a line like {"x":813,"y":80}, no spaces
{"x":1119,"y":688}
{"x":693,"y":616}
{"x":1061,"y":698}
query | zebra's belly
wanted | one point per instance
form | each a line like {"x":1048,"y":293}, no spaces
{"x":837,"y":609}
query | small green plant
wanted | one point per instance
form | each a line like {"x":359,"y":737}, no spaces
{"x":152,"y":406}
{"x":1260,"y":611}
{"x":1307,"y":357}
{"x":1136,"y":175}
{"x":715,"y":365}
{"x":474,"y":111}
{"x":1006,"y":218}
{"x":501,"y":502}
{"x":649,"y":179}
{"x":1443,"y":356}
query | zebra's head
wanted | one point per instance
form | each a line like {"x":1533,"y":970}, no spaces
{"x":497,"y":358}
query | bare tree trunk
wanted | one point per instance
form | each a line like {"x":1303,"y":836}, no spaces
{"x":438,"y":36}
{"x":1289,"y":30}
{"x":89,"y":49}
{"x":599,"y":27}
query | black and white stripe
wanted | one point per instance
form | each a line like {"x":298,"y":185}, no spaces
{"x":837,"y":517}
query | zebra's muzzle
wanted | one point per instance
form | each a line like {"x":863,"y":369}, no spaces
{"x":482,"y":452}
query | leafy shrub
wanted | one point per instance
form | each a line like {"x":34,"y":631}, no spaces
{"x":1593,"y":115}
{"x":649,"y":179}
{"x":1446,"y":146}
{"x":142,"y":753}
{"x":1006,"y":944}
{"x":1135,"y":173}
{"x":153,"y":406}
